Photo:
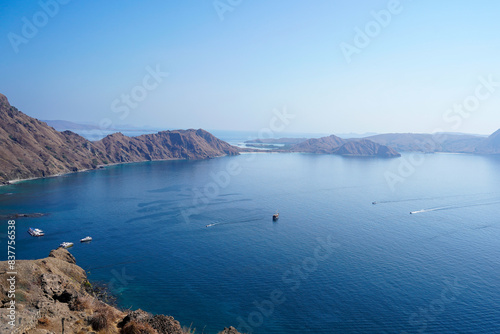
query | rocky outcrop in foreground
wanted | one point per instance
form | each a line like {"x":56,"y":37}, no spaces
{"x":30,"y":148}
{"x":52,"y":290}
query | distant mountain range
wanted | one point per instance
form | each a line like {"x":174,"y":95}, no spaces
{"x":328,"y":145}
{"x":429,"y":143}
{"x":30,"y":148}
{"x":336,"y":145}
{"x":285,"y":141}
{"x":440,"y":142}
{"x":397,"y":142}
{"x":67,"y":125}
{"x":61,"y":125}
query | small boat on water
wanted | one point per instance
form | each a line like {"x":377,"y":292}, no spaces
{"x":374,"y":203}
{"x":35,"y":232}
{"x":86,"y":239}
{"x":66,"y":245}
{"x":276,"y":216}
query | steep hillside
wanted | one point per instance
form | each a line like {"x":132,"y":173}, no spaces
{"x":30,"y":148}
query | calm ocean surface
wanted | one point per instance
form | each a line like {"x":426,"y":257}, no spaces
{"x":333,"y":263}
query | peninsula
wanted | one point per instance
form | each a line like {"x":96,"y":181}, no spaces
{"x":30,"y":148}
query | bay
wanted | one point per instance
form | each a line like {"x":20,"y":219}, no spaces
{"x":333,"y":263}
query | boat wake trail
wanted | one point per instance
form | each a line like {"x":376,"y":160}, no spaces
{"x":235,"y":222}
{"x":430,"y":198}
{"x":429,"y":210}
{"x":454,"y":207}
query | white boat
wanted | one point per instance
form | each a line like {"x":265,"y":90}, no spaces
{"x":35,"y":232}
{"x":66,"y":245}
{"x":86,"y":239}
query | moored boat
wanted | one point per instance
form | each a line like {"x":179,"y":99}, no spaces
{"x":35,"y":232}
{"x":86,"y":239}
{"x":276,"y":216}
{"x":66,"y":245}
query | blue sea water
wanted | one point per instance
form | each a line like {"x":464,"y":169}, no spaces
{"x":333,"y":263}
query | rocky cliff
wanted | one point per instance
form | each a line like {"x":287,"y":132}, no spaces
{"x":55,"y":288}
{"x":30,"y":148}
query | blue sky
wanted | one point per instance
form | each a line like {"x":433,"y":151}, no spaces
{"x":231,"y":74}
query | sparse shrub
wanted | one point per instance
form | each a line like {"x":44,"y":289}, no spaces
{"x":82,"y":303}
{"x":137,"y":328}
{"x":101,"y":319}
{"x":189,"y":330}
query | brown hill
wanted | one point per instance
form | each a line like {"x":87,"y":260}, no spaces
{"x":325,"y":145}
{"x":30,"y":148}
{"x":366,"y":148}
{"x":336,"y":145}
{"x":178,"y":144}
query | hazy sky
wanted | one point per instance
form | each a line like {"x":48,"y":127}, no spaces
{"x":232,"y":63}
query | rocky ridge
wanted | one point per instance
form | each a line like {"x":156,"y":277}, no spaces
{"x":30,"y":148}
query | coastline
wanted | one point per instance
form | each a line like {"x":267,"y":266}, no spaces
{"x":98,"y":167}
{"x":245,"y":152}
